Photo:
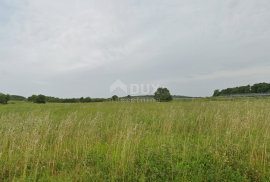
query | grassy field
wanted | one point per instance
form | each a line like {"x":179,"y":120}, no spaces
{"x":186,"y":140}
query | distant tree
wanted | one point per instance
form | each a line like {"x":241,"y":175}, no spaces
{"x":114,"y":98}
{"x":235,"y":90}
{"x":247,"y":89}
{"x":128,"y":97}
{"x":216,"y":93}
{"x":82,"y":100}
{"x":4,"y":98}
{"x":40,"y":99}
{"x":52,"y":99}
{"x":17,"y":97}
{"x":98,"y":100}
{"x":7,"y":98}
{"x":163,"y":95}
{"x":56,"y":99}
{"x":32,"y":98}
{"x":256,"y":88}
{"x":87,"y":99}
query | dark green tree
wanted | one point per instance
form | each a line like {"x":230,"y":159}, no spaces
{"x":216,"y":93}
{"x":128,"y":97}
{"x":32,"y":98}
{"x":163,"y":95}
{"x":98,"y":100}
{"x":247,"y":89}
{"x":114,"y":98}
{"x":256,"y":88}
{"x":40,"y":99}
{"x":87,"y":99}
{"x":4,"y":98}
{"x":7,"y":98}
{"x":82,"y":100}
{"x":17,"y":97}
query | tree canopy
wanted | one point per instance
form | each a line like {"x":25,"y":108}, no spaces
{"x":163,"y":95}
{"x":4,"y":98}
{"x":114,"y":98}
{"x":256,"y":88}
{"x":82,"y":100}
{"x":17,"y":97}
{"x":66,"y":100}
{"x":87,"y":99}
{"x":32,"y":98}
{"x":40,"y":99}
{"x":128,"y":97}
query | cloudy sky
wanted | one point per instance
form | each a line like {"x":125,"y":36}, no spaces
{"x":68,"y":48}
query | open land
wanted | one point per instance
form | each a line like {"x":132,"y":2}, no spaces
{"x":203,"y":139}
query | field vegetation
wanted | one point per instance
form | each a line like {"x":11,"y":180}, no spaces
{"x":210,"y":139}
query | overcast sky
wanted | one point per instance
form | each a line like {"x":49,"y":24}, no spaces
{"x":68,"y":48}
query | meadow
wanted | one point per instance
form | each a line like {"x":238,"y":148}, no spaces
{"x":186,"y":140}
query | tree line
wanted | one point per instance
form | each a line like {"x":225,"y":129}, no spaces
{"x":6,"y":97}
{"x":161,"y":95}
{"x":256,"y":88}
{"x":43,"y":99}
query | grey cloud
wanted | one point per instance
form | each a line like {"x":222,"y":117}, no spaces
{"x":68,"y":48}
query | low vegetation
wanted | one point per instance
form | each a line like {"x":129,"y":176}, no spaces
{"x":188,"y":140}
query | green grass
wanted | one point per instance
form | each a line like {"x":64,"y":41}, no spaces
{"x":187,"y":140}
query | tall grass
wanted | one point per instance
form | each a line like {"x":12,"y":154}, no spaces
{"x":197,"y":140}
